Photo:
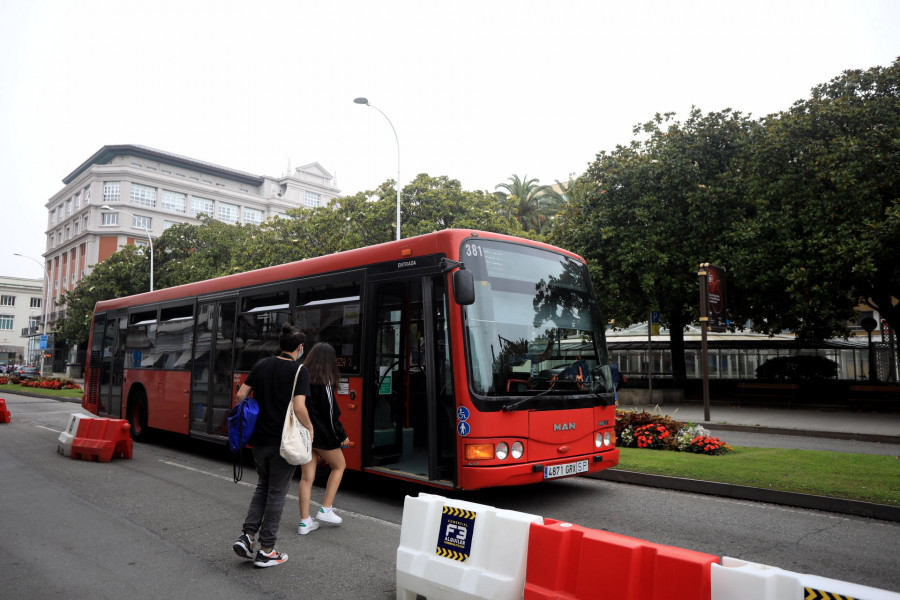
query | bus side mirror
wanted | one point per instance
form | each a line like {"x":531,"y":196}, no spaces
{"x":464,"y":287}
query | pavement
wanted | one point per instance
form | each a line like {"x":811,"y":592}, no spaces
{"x":851,"y":429}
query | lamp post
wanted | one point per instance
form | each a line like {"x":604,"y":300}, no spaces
{"x":145,"y":228}
{"x":365,"y":101}
{"x":44,"y":301}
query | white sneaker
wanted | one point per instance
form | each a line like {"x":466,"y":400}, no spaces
{"x":305,"y":528}
{"x":329,"y":516}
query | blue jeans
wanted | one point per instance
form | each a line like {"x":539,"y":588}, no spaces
{"x":267,"y":504}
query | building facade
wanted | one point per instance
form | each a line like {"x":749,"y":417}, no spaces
{"x":21,"y":304}
{"x":147,"y":191}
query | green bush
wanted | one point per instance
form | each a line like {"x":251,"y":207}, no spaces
{"x":800,"y":368}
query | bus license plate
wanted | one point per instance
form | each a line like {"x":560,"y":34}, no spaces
{"x":573,"y":468}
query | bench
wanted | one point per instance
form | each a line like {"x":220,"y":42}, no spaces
{"x":760,"y":389}
{"x":874,"y":394}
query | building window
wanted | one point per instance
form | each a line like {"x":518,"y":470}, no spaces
{"x":67,"y":233}
{"x":7,"y":300}
{"x":141,"y":222}
{"x":75,"y":228}
{"x":52,"y":240}
{"x":78,"y":201}
{"x":173,"y":201}
{"x":87,"y":196}
{"x":143,"y":195}
{"x":36,"y":302}
{"x":112,"y":191}
{"x":6,"y":322}
{"x":84,"y":223}
{"x":202,"y":206}
{"x":34,"y":323}
{"x":68,"y":207}
{"x":311,"y":200}
{"x":109,"y":219}
{"x":168,"y":224}
{"x":252,"y":215}
{"x":229,"y":213}
{"x":52,"y":216}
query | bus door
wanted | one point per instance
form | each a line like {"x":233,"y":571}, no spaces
{"x":410,"y":423}
{"x":211,"y":367}
{"x":111,"y":367}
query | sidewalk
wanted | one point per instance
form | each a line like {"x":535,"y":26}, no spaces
{"x":840,"y":424}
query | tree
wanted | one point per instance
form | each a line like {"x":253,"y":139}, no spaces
{"x":534,"y":204}
{"x":648,"y":213}
{"x":124,"y":273}
{"x":826,"y":226}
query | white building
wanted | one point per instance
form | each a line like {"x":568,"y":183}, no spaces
{"x":21,"y":301}
{"x":148,"y":191}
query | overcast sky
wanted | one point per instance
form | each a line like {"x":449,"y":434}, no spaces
{"x":477,"y":90}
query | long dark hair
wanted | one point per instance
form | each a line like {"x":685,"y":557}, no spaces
{"x":321,"y":362}
{"x":290,"y":338}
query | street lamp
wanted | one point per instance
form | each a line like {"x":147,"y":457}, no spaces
{"x":145,"y":228}
{"x":44,"y":301}
{"x":366,"y":102}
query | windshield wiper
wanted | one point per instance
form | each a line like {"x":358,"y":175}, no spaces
{"x":517,"y":403}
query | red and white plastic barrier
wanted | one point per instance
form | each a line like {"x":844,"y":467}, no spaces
{"x":736,"y":579}
{"x":450,"y":549}
{"x":64,"y":442}
{"x":572,"y":562}
{"x":102,"y":439}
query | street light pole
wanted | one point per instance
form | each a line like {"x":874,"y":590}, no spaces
{"x":365,"y":101}
{"x":145,"y":228}
{"x":44,"y":301}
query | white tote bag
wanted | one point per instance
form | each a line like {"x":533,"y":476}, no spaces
{"x":296,"y":444}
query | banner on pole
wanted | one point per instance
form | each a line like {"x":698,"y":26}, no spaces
{"x":715,"y":277}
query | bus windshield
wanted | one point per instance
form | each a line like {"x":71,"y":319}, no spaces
{"x":533,"y":326}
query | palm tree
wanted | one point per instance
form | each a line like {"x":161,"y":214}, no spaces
{"x":535,"y":205}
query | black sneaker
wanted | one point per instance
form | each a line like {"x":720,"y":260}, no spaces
{"x":269,"y":559}
{"x":243,"y":547}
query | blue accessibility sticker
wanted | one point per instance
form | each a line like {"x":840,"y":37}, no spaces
{"x":463,"y":429}
{"x":462,"y":413}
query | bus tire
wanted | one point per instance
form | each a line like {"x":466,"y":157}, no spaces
{"x":137,"y":416}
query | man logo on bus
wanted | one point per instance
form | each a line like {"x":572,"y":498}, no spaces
{"x":563,"y":426}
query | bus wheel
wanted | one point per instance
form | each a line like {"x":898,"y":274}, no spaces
{"x":137,"y":417}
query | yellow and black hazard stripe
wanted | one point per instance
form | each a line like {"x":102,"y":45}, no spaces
{"x":452,"y":554}
{"x":814,"y":594}
{"x":458,"y":512}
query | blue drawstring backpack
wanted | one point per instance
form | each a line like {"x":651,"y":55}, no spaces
{"x":241,"y":422}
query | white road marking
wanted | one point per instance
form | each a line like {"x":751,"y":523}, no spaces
{"x":291,"y":496}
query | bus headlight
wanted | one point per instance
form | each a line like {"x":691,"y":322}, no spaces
{"x":502,"y":450}
{"x":518,"y":450}
{"x":598,"y":440}
{"x":606,"y":438}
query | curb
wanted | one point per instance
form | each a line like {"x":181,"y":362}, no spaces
{"x":834,"y":435}
{"x":883,"y":512}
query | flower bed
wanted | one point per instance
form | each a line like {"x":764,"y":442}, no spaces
{"x":661,"y":432}
{"x":45,"y":383}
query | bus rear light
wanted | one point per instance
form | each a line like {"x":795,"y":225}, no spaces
{"x":479,"y":451}
{"x":518,"y":450}
{"x":502,"y":450}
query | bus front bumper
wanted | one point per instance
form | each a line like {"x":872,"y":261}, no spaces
{"x":477,"y":477}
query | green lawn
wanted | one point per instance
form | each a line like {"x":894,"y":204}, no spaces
{"x":14,"y":388}
{"x":864,"y":477}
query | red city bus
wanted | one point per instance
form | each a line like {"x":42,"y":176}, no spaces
{"x":468,"y":359}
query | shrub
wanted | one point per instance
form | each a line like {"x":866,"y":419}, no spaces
{"x":799,"y":367}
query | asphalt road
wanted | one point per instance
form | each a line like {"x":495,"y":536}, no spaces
{"x":161,"y":524}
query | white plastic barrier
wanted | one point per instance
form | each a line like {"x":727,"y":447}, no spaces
{"x":737,"y":579}
{"x":451,"y":549}
{"x":64,"y":446}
